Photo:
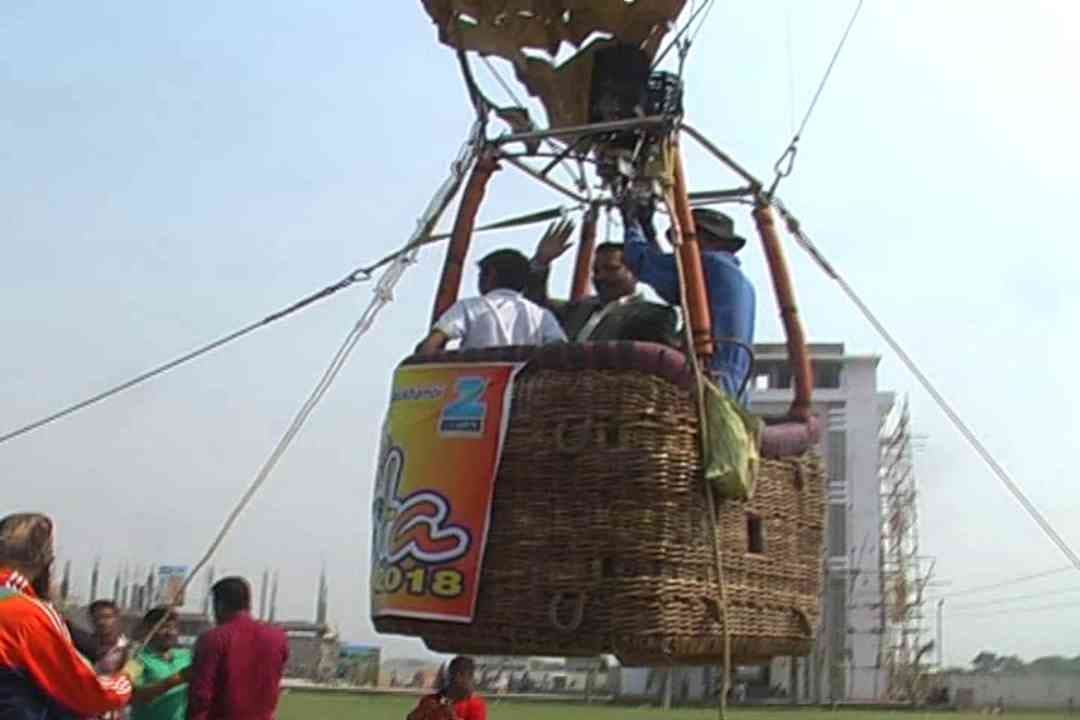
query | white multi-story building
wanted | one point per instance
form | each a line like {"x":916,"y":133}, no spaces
{"x":847,"y":662}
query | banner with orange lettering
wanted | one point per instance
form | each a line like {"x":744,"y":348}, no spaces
{"x":442,"y":439}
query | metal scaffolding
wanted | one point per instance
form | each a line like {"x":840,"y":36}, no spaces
{"x":904,"y":640}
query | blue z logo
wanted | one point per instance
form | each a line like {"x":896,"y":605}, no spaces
{"x":464,"y":416}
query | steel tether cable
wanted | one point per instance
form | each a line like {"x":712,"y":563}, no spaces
{"x":968,"y":434}
{"x":353,"y":277}
{"x":359,"y":275}
{"x":678,"y":36}
{"x":786,"y":161}
{"x":384,"y":294}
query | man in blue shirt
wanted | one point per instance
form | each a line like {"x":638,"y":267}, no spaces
{"x":731,"y":296}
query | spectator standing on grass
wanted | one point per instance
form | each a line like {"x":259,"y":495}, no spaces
{"x":110,"y":646}
{"x":160,"y":693}
{"x":42,"y":675}
{"x":457,"y":700}
{"x":238,"y":665}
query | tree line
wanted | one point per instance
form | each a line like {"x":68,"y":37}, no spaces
{"x":990,"y":662}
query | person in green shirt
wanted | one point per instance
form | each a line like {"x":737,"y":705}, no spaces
{"x":160,"y":690}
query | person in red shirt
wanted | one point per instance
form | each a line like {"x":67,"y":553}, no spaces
{"x":42,"y":675}
{"x":238,"y":665}
{"x":457,"y":700}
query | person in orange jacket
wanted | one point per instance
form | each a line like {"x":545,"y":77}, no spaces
{"x":42,"y":675}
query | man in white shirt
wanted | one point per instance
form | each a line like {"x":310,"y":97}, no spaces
{"x":500,"y":316}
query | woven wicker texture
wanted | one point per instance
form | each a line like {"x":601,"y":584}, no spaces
{"x":599,"y":538}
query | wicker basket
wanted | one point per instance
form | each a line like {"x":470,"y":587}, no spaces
{"x":599,"y":535}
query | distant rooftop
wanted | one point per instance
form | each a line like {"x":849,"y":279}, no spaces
{"x":772,"y":368}
{"x":816,"y":349}
{"x":303,"y":626}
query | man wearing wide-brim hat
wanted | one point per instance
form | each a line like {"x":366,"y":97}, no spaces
{"x":731,"y":295}
{"x":42,"y":675}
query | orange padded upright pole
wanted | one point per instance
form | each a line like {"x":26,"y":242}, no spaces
{"x":461,"y":236}
{"x":585,"y":251}
{"x":697,"y":293}
{"x":802,"y":376}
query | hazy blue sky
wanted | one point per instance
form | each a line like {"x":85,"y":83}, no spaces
{"x":172,"y":170}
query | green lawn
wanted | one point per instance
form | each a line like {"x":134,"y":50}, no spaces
{"x":308,"y":706}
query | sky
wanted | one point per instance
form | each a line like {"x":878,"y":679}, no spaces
{"x":172,"y":171}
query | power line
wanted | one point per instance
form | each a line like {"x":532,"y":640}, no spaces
{"x":1016,"y":598}
{"x":1020,"y":610}
{"x":929,"y":387}
{"x":1007,"y":583}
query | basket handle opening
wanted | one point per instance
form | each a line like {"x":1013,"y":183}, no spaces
{"x":575,"y":618}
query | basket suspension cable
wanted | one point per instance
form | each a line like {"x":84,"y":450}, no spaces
{"x":712,"y":507}
{"x":675,"y":40}
{"x":481,"y":104}
{"x":786,"y":162}
{"x":962,"y":427}
{"x":578,"y":180}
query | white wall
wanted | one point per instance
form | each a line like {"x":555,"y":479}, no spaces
{"x":863,"y":415}
{"x":1019,"y":690}
{"x":631,"y":683}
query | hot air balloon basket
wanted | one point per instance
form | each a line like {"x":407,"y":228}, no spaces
{"x":599,"y":539}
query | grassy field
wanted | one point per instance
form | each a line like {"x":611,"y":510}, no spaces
{"x":306,"y":706}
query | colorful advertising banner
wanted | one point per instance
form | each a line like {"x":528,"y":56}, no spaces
{"x":441,"y":443}
{"x":170,"y":578}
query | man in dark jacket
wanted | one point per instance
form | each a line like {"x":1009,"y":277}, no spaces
{"x":617,"y":311}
